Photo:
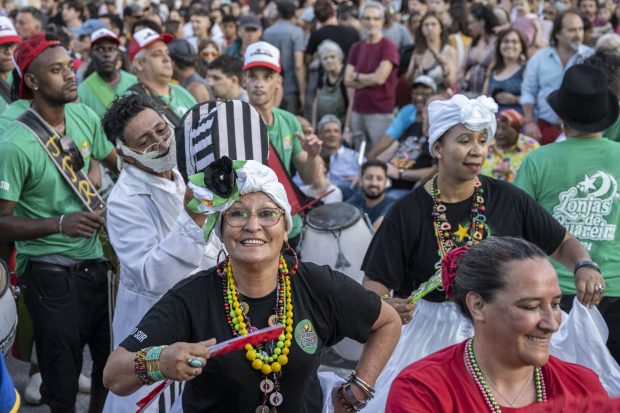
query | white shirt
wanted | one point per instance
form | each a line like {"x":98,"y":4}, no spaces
{"x":335,"y":196}
{"x":158,"y":245}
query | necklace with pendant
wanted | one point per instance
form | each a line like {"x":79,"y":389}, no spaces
{"x":443,"y":229}
{"x":268,"y":357}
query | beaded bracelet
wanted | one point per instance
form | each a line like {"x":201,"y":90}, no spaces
{"x":139,"y":367}
{"x":152,"y":363}
{"x":146,"y":365}
{"x":344,"y":400}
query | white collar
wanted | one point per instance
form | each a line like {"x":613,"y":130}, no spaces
{"x":142,"y":182}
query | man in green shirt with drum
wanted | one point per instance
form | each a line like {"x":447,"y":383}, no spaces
{"x":99,"y":89}
{"x":149,"y":55}
{"x":262,"y":78}
{"x":59,"y":261}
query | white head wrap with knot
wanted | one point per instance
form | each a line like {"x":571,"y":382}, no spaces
{"x":475,"y":114}
{"x":251,"y":177}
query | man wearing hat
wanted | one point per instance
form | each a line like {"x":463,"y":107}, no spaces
{"x":83,"y":44}
{"x":9,"y":39}
{"x":423,"y":88}
{"x":107,"y":82}
{"x":151,"y":61}
{"x":262,"y":78}
{"x":289,"y":39}
{"x":250,"y":31}
{"x":578,"y":181}
{"x":183,"y":70}
{"x":59,"y":257}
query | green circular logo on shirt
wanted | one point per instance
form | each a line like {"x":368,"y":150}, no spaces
{"x":306,"y":336}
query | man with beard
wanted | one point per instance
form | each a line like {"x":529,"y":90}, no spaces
{"x":373,"y":200}
{"x":158,"y":239}
{"x":9,"y":39}
{"x":49,"y":8}
{"x":150,"y":57}
{"x":544,"y":73}
{"x":59,"y":261}
{"x":99,"y":89}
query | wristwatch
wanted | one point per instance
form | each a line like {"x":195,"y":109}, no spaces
{"x":400,"y":173}
{"x":355,"y":402}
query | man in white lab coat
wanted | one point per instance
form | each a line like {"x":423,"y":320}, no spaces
{"x":158,"y":240}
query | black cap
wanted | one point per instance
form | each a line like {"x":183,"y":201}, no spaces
{"x":286,"y":8}
{"x":181,"y":50}
{"x":250,"y":20}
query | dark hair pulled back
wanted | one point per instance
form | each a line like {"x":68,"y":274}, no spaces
{"x":482,"y":269}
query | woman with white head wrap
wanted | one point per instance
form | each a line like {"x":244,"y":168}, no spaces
{"x":456,"y":208}
{"x":249,"y":210}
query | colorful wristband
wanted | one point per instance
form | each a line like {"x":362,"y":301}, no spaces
{"x":152,"y":363}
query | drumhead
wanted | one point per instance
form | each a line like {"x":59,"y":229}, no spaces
{"x":330,"y":217}
{"x":4,"y":277}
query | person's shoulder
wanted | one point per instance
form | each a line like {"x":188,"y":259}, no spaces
{"x":385,"y":42}
{"x":356,"y":199}
{"x":575,"y":377}
{"x":503,"y":189}
{"x":129,"y":76}
{"x":82,"y":112}
{"x":433,"y":365}
{"x":179,"y":90}
{"x":197,"y":283}
{"x":286,"y":116}
{"x":585,"y":51}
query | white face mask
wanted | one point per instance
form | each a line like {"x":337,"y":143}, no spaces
{"x":150,"y":160}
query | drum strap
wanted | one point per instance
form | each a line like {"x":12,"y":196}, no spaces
{"x":5,"y":91}
{"x":66,"y":157}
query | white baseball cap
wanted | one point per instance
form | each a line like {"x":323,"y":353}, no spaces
{"x":262,"y":54}
{"x":7,"y":31}
{"x":102,"y":34}
{"x":426,"y":81}
{"x":146,"y":37}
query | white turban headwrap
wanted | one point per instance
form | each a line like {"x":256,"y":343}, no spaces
{"x":475,"y":114}
{"x":253,"y":176}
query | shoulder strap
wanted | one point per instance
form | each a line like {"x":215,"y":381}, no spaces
{"x":100,"y":89}
{"x":5,"y":91}
{"x":51,"y":143}
{"x":170,"y":115}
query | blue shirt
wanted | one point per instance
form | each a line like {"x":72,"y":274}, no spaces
{"x":404,"y":119}
{"x":543,"y":75}
{"x":375,"y":212}
{"x":342,"y":164}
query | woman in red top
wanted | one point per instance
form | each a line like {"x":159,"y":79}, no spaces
{"x":510,"y":291}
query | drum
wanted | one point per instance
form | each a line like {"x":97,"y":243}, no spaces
{"x":8,"y":310}
{"x":338,"y":235}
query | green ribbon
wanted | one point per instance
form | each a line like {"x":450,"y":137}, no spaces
{"x":199,"y":180}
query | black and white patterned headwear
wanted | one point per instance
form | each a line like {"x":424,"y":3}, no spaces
{"x":210,"y":130}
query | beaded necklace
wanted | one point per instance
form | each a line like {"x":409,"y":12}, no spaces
{"x":476,"y":373}
{"x":271,"y":356}
{"x":442,"y":228}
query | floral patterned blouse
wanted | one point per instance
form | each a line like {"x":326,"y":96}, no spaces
{"x":497,"y":159}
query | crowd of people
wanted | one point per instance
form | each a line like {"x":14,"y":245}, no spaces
{"x":151,"y":149}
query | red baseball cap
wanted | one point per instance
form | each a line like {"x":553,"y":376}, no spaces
{"x":146,"y":37}
{"x":25,"y":53}
{"x":103,"y":34}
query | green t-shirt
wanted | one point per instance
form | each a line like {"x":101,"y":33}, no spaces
{"x":577,"y":181}
{"x":11,"y":113}
{"x":88,"y":98}
{"x":3,"y":103}
{"x":29,"y":177}
{"x":287,"y":144}
{"x":613,"y":132}
{"x":182,"y":100}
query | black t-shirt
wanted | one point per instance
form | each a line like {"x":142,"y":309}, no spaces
{"x":327,"y":306}
{"x":412,"y":153}
{"x":404,"y":253}
{"x":344,"y":36}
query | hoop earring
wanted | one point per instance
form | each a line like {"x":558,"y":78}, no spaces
{"x":217,"y":261}
{"x":287,"y":247}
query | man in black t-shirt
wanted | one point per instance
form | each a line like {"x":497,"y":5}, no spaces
{"x":331,"y":30}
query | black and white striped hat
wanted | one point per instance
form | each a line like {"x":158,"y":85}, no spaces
{"x":210,"y":130}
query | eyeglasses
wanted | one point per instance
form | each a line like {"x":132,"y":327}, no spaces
{"x":266,"y":217}
{"x":210,"y":54}
{"x":163,"y":137}
{"x":368,"y":18}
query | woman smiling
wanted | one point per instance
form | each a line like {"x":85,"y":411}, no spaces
{"x":513,"y":301}
{"x":256,"y":286}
